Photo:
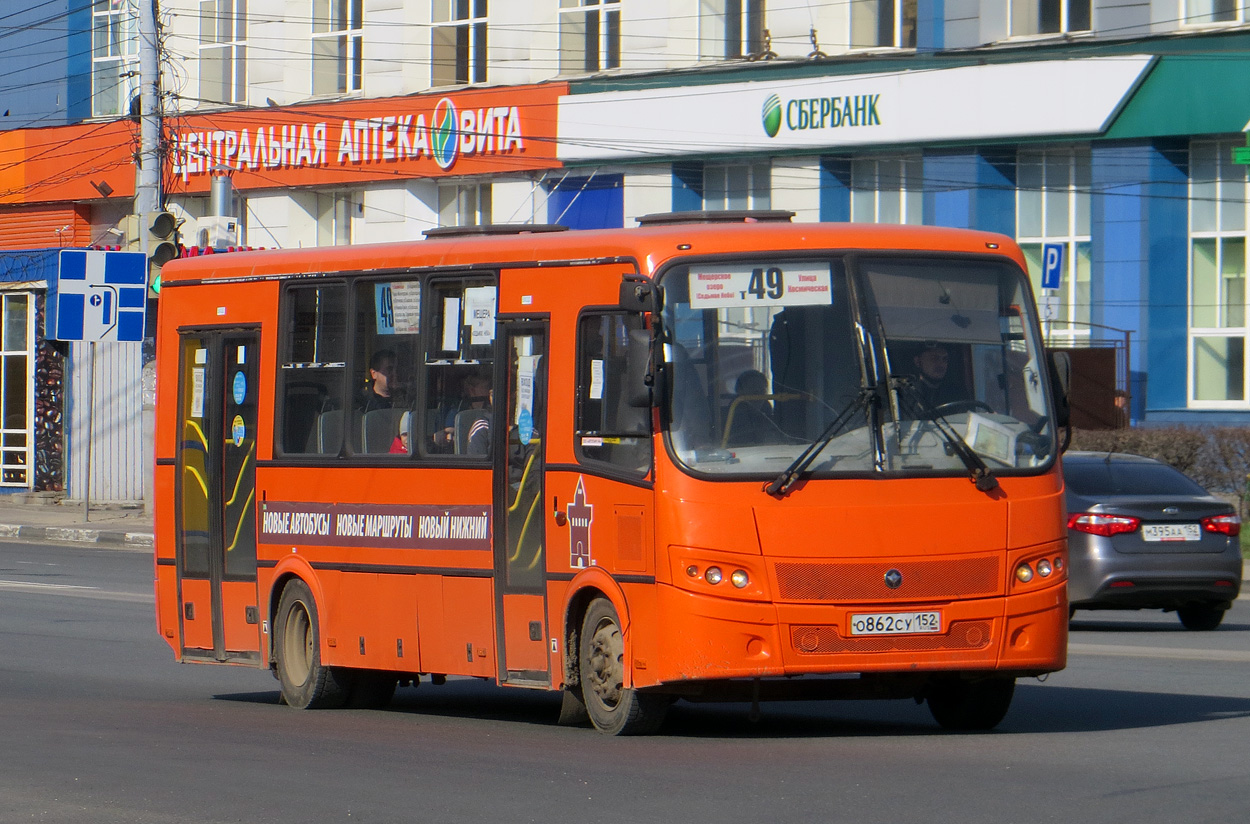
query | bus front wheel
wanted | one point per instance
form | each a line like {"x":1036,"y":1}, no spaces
{"x":306,"y":682}
{"x":957,"y":704}
{"x":612,"y":708}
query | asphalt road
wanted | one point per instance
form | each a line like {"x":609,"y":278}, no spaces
{"x":1149,"y":723}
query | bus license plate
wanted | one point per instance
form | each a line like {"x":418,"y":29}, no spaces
{"x":1171,"y":532}
{"x":896,"y":623}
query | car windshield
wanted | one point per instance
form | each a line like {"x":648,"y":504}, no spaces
{"x":874,"y":365}
{"x":1094,"y":478}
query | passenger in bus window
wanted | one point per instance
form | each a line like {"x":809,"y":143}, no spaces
{"x":377,"y":393}
{"x":400,"y":445}
{"x":474,"y":395}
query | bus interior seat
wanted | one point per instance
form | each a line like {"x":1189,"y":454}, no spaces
{"x":327,"y":435}
{"x":463,"y":423}
{"x":379,"y":428}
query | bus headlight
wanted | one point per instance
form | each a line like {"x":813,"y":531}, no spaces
{"x":1043,"y":568}
{"x":713,"y":575}
{"x":739,"y":578}
{"x":1024,"y":573}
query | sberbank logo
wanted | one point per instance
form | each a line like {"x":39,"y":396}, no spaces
{"x":443,"y":134}
{"x":772,"y":115}
{"x":810,"y":113}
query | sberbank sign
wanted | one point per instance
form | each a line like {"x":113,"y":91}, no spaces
{"x":808,"y":113}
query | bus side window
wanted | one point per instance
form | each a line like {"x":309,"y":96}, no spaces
{"x":459,"y":365}
{"x":607,"y":428}
{"x":384,"y":364}
{"x":313,"y":368}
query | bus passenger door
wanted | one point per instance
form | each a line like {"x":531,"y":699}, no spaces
{"x":520,"y":552}
{"x":216,"y":495}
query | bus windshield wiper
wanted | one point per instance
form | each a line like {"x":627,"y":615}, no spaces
{"x":782,"y":483}
{"x":978,"y":471}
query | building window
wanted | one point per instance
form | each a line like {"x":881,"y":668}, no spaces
{"x":1217,"y":277}
{"x":336,"y":43}
{"x":459,"y":42}
{"x":1032,"y":17}
{"x":1206,"y":12}
{"x":114,"y":56}
{"x":887,"y":189}
{"x":223,"y":51}
{"x":730,"y":28}
{"x":590,"y":35}
{"x":883,"y":24}
{"x":464,"y":204}
{"x":17,"y":376}
{"x":737,"y":187}
{"x":1052,"y":206}
{"x":335,"y":211}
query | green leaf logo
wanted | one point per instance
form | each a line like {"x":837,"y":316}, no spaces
{"x":772,"y":115}
{"x":444,"y":136}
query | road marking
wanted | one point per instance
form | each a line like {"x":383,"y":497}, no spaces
{"x":74,"y":591}
{"x":1222,"y":656}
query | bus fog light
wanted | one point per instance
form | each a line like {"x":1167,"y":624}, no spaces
{"x":1043,"y":568}
{"x":1024,"y":573}
{"x":713,"y":575}
{"x":739,"y":578}
{"x":692,"y":571}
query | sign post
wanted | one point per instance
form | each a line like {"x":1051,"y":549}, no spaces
{"x":99,"y":296}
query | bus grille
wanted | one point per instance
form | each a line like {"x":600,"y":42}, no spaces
{"x":823,"y":640}
{"x":859,"y":582}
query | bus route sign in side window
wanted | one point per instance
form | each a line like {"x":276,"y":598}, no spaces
{"x":794,"y":284}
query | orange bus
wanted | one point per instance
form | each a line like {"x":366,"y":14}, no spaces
{"x":720,"y":456}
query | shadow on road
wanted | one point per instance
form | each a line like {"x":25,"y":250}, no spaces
{"x":1037,"y":708}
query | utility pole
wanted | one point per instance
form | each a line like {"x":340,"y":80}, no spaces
{"x":149,"y":199}
{"x":148,"y":185}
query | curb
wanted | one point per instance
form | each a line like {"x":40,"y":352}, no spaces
{"x":77,"y":535}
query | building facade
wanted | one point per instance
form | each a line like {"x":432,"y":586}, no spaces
{"x":1103,"y":130}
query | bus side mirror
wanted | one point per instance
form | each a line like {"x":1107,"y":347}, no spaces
{"x":638,"y":294}
{"x":639,"y":377}
{"x":1061,"y":385}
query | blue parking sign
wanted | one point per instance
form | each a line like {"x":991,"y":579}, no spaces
{"x":1052,"y":265}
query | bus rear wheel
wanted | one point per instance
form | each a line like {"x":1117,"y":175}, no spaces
{"x":957,"y":704}
{"x":613,"y":708}
{"x":306,"y":682}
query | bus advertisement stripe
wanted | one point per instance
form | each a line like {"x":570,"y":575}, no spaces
{"x":404,"y":526}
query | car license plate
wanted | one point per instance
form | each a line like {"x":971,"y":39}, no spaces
{"x":1171,"y":532}
{"x":896,"y":623}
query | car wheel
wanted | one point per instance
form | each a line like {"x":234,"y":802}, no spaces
{"x":1200,"y":617}
{"x":306,"y":682}
{"x":612,"y":708}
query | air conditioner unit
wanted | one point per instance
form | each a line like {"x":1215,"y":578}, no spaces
{"x":217,"y":232}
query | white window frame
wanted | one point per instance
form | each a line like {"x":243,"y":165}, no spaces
{"x":577,"y":54}
{"x":731,"y":29}
{"x":114,"y":56}
{"x":871,"y":177}
{"x":18,"y":460}
{"x":337,"y":46}
{"x":228,"y":49}
{"x":1228,"y":191}
{"x":1064,"y":174}
{"x":464,"y":204}
{"x":866,"y":24}
{"x":1190,"y":17}
{"x":1030,"y":11}
{"x":459,"y":30}
{"x":753,"y":192}
{"x":337,"y":212}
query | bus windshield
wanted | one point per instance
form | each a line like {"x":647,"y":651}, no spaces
{"x":866,"y":364}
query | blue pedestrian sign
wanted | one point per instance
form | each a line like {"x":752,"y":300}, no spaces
{"x":1052,"y":265}
{"x":98,"y":296}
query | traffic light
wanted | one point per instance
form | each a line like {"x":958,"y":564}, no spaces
{"x":162,"y":235}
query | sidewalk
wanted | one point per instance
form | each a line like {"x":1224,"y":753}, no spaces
{"x":24,"y":519}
